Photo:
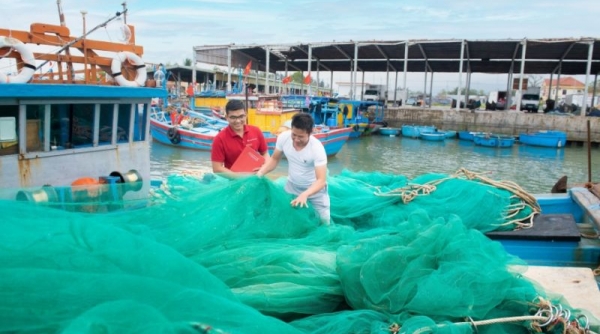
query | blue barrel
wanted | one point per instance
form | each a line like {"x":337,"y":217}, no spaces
{"x":331,"y":122}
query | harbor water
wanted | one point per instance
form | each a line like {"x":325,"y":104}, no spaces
{"x":536,"y":169}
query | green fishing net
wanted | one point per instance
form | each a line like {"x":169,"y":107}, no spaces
{"x":212,"y":255}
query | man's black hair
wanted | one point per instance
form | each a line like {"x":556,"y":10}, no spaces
{"x":234,"y":105}
{"x":303,"y":121}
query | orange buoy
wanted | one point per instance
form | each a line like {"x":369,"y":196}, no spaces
{"x":88,"y":184}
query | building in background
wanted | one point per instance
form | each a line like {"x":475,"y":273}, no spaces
{"x":566,"y":86}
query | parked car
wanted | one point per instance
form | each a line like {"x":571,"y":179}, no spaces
{"x":411,"y":101}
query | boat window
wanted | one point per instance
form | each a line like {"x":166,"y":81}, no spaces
{"x":124,"y":120}
{"x":106,"y":124}
{"x":71,"y":126}
{"x":9,"y":125}
{"x":141,"y":124}
{"x":34,"y":130}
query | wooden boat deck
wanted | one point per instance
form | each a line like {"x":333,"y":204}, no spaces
{"x":577,"y":285}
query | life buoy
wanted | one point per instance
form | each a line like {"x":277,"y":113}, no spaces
{"x":136,"y":61}
{"x":174,"y":135}
{"x":26,"y":55}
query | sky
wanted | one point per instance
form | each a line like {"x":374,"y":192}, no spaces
{"x":168,"y":30}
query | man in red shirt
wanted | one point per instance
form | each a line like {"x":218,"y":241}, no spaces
{"x":231,"y":141}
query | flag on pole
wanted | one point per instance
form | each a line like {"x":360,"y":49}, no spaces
{"x":308,"y":79}
{"x":286,"y":80}
{"x":247,"y":69}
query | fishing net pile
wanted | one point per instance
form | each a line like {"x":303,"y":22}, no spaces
{"x":211,"y":255}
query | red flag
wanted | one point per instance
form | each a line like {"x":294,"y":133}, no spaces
{"x":286,"y":80}
{"x":247,"y":69}
{"x":308,"y":79}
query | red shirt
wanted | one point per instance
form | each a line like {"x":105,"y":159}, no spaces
{"x":227,"y":145}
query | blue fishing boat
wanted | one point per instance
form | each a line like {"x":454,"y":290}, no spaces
{"x":184,"y":128}
{"x":414,"y":131}
{"x":392,"y":132}
{"x":468,"y":135}
{"x":410,"y":131}
{"x":332,"y":139}
{"x":180,"y":127}
{"x":554,"y":237}
{"x":364,"y":117}
{"x":432,"y":136}
{"x":449,"y":133}
{"x":493,"y":140}
{"x":61,"y":132}
{"x":544,"y":138}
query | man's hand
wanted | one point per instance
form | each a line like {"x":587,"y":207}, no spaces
{"x":300,"y":201}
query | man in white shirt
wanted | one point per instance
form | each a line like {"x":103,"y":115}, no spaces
{"x":307,"y":165}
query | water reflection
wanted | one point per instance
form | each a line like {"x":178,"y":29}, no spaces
{"x":538,"y":152}
{"x":493,"y":151}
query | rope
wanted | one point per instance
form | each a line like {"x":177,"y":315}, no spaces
{"x":548,"y":315}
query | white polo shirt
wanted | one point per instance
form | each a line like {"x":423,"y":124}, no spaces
{"x":301,"y":164}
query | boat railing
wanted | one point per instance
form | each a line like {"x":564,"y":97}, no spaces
{"x":58,"y":68}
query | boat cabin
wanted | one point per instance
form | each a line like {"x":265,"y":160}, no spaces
{"x":54,"y":134}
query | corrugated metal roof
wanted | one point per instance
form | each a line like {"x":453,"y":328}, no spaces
{"x":543,"y":56}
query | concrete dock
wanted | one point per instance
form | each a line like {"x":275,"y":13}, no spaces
{"x":507,"y":122}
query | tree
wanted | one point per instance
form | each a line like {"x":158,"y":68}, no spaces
{"x":187,"y":62}
{"x":463,"y":90}
{"x":298,"y":77}
{"x":534,"y":80}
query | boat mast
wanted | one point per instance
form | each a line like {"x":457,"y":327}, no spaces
{"x":124,"y":4}
{"x":63,"y":23}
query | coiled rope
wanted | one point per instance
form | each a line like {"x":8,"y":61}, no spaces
{"x":411,"y":191}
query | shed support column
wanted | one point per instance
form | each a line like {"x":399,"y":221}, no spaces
{"x":550,"y":87}
{"x":331,"y":85}
{"x":509,"y":87}
{"x":287,"y":86}
{"x":387,"y":82}
{"x":594,"y":91}
{"x":193,"y":69}
{"x":228,"y":70}
{"x":558,"y":83}
{"x":354,"y":71}
{"x":405,"y":70}
{"x":267,"y":56}
{"x":424,"y":86}
{"x":468,"y":86}
{"x":521,"y":74}
{"x":460,"y":69}
{"x":309,"y":67}
{"x":318,"y":77}
{"x":587,"y":78}
{"x":431,"y":91}
{"x":396,"y":89}
{"x":362,"y":86}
